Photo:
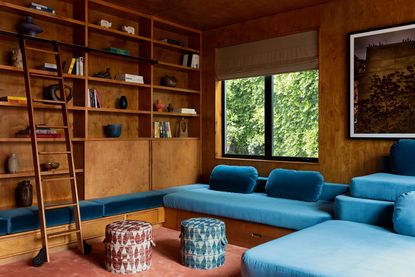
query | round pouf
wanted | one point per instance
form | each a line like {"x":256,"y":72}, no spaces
{"x":203,"y":243}
{"x":128,"y":246}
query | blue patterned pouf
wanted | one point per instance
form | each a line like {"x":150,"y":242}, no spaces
{"x":203,"y":243}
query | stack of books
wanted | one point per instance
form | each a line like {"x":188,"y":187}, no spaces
{"x":14,"y":99}
{"x":94,"y":100}
{"x":191,"y":60}
{"x":130,"y":78}
{"x":185,"y":111}
{"x":40,"y":133}
{"x":162,"y":129}
{"x":76,"y":66}
{"x":49,"y":67}
{"x":42,"y":8}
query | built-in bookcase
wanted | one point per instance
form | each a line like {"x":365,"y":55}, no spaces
{"x":77,"y":24}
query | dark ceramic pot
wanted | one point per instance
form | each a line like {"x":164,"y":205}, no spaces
{"x":112,"y":130}
{"x":29,"y":28}
{"x":123,"y":103}
{"x":168,"y":81}
{"x":24,"y":194}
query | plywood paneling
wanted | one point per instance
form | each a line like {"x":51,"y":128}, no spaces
{"x":175,"y":162}
{"x":116,"y":167}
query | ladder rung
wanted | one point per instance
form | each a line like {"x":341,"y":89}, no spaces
{"x":57,"y":179}
{"x":63,"y":233}
{"x":48,"y":101}
{"x":58,"y":206}
{"x":42,"y":50}
{"x":40,"y":126}
{"x":55,"y":153}
{"x":46,"y":76}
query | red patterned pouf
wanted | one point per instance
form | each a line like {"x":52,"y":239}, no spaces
{"x":128,"y":246}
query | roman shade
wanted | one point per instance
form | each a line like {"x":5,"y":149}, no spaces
{"x":290,"y":53}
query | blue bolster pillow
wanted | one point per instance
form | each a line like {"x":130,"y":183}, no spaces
{"x":240,"y":179}
{"x":296,"y":185}
{"x":402,"y":155}
{"x":404,"y":214}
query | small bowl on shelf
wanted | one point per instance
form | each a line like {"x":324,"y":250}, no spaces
{"x":50,"y":166}
{"x":113,"y":130}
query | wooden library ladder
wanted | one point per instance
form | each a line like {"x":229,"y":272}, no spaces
{"x":43,"y":255}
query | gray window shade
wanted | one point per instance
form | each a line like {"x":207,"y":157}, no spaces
{"x":283,"y":54}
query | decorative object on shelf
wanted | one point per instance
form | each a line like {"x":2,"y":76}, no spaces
{"x":182,"y":129}
{"x":172,"y":41}
{"x":24,"y":194}
{"x":50,"y":166}
{"x":122,"y":102}
{"x":113,"y":130}
{"x":42,"y":8}
{"x":53,"y":93}
{"x":170,"y":108}
{"x":128,"y":29}
{"x":104,"y":74}
{"x":12,"y":164}
{"x":159,"y":106}
{"x":117,"y":51}
{"x":130,"y":78}
{"x":105,"y":23}
{"x":16,"y":58}
{"x":168,"y":81}
{"x":27,"y":27}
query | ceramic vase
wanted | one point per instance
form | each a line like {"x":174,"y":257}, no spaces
{"x":123,"y":103}
{"x":12,"y":164}
{"x":24,"y":194}
{"x":29,"y":28}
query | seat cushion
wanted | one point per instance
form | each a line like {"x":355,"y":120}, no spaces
{"x":90,"y":210}
{"x":402,"y":155}
{"x":130,"y":202}
{"x":404,"y":214}
{"x":293,"y":184}
{"x":381,"y":186}
{"x":362,"y":210}
{"x":254,"y":207}
{"x":333,"y":248}
{"x":3,"y":226}
{"x":240,"y":179}
{"x":182,"y":188}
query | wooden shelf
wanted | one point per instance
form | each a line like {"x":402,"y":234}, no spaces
{"x":40,"y":106}
{"x":176,"y":66}
{"x":117,"y":82}
{"x":175,"y":114}
{"x":174,"y":27}
{"x":118,"y":9}
{"x":26,"y":174}
{"x":110,"y":110}
{"x":176,"y":138}
{"x":39,"y":71}
{"x":55,"y":18}
{"x":39,"y":139}
{"x":180,"y":90}
{"x":118,"y":33}
{"x":117,"y":139}
{"x":173,"y":46}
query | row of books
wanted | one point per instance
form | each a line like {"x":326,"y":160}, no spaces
{"x":94,"y":99}
{"x":14,"y":99}
{"x":191,"y":60}
{"x":42,"y":8}
{"x":45,"y":132}
{"x":162,"y":129}
{"x":75,"y":66}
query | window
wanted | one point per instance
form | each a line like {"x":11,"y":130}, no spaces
{"x":272,"y":117}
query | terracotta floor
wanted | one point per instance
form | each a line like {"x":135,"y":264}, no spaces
{"x":164,"y":262}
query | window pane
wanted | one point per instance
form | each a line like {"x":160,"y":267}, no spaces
{"x":295,"y":110}
{"x":244,"y":121}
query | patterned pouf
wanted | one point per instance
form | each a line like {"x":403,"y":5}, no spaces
{"x":203,"y":243}
{"x":128,"y":246}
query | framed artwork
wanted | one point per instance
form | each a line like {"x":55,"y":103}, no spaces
{"x":382,"y":83}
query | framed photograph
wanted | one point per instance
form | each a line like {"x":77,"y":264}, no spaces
{"x":382,"y":83}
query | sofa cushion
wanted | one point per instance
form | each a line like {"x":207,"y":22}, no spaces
{"x":362,"y":210}
{"x":404,"y":214}
{"x":3,"y":226}
{"x":333,"y":248}
{"x":331,"y":190}
{"x":240,"y":179}
{"x":131,"y":202}
{"x":402,"y":155}
{"x":182,"y":188}
{"x":381,"y":186}
{"x":254,"y":207}
{"x":89,"y":210}
{"x":293,"y":184}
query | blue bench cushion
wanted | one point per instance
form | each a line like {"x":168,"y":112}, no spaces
{"x":89,"y":210}
{"x":131,"y":202}
{"x":242,"y":179}
{"x":402,"y":155}
{"x":404,"y":214}
{"x":3,"y":226}
{"x":333,"y":248}
{"x":381,"y":186}
{"x":182,"y":188}
{"x":331,"y":190}
{"x":362,"y":210}
{"x":254,"y":207}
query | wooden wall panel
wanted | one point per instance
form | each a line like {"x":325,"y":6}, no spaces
{"x":340,"y":158}
{"x":116,"y":167}
{"x":175,"y":162}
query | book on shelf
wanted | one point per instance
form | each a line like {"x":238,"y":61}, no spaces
{"x":41,"y":132}
{"x":75,"y":66}
{"x":14,"y":99}
{"x":48,"y":67}
{"x":42,"y":8}
{"x":94,"y":100}
{"x":162,"y":129}
{"x":191,"y":60}
{"x":185,"y":111}
{"x":130,"y":78}
{"x":172,"y":41}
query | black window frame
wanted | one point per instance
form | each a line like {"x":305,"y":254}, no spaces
{"x":269,"y":127}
